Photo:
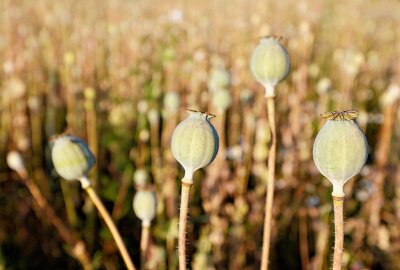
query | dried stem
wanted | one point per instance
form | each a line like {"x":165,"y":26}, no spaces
{"x":144,"y":244}
{"x":382,"y":151}
{"x":182,"y":224}
{"x":110,"y":224}
{"x":79,"y":250}
{"x":338,"y":250}
{"x":270,"y":185}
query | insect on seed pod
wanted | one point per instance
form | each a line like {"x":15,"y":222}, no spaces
{"x":145,"y":206}
{"x":269,"y":64}
{"x":340,"y":149}
{"x":194,"y":143}
{"x":72,"y":158}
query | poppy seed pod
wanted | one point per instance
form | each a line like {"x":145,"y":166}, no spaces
{"x":194,"y":143}
{"x":171,"y":102}
{"x":71,"y":157}
{"x":222,"y":99}
{"x":144,"y":206}
{"x":219,"y":79}
{"x":339,"y":152}
{"x":15,"y":161}
{"x":141,"y":177}
{"x":269,"y":64}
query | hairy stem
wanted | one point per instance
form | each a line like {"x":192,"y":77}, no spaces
{"x":110,"y":224}
{"x":182,"y":224}
{"x":144,"y":244}
{"x":270,"y":185}
{"x":338,"y":250}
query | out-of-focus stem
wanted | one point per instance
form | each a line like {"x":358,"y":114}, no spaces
{"x":303,"y":237}
{"x":78,"y":249}
{"x":144,"y":244}
{"x":91,"y":124}
{"x":182,"y":224}
{"x":321,"y":244}
{"x":69,"y":204}
{"x":338,"y":249}
{"x":111,"y":226}
{"x":121,"y":195}
{"x":270,"y":185}
{"x":381,"y":160}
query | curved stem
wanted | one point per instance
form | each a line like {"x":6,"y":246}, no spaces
{"x":144,"y":244}
{"x":182,"y":224}
{"x":78,"y":247}
{"x":110,"y":224}
{"x":270,"y":185}
{"x":338,"y":250}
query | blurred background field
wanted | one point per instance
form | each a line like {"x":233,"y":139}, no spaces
{"x":120,"y":74}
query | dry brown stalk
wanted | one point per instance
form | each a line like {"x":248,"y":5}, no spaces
{"x":270,"y":185}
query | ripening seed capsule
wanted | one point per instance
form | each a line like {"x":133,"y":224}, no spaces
{"x":222,"y":99}
{"x":171,"y":102}
{"x":194,"y":143}
{"x":72,"y":158}
{"x":141,"y":177}
{"x":219,"y":79}
{"x":269,"y":64}
{"x":15,"y":161}
{"x":339,"y":152}
{"x":144,"y":206}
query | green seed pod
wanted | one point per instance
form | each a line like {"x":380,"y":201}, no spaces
{"x":219,"y":79}
{"x":71,"y":157}
{"x":340,"y":151}
{"x":141,"y":177}
{"x":222,"y":99}
{"x":171,"y":102}
{"x":194,"y":143}
{"x":269,"y":64}
{"x":145,"y":206}
{"x":15,"y":161}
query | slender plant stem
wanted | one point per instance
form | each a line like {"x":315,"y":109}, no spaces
{"x":338,"y":250}
{"x":110,"y":224}
{"x":182,"y":224}
{"x":144,"y":244}
{"x":270,"y":185}
{"x":303,"y":238}
{"x":78,"y":246}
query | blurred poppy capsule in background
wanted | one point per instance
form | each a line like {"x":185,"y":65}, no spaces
{"x":72,"y":158}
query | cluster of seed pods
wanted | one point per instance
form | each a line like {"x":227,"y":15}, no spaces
{"x":340,"y":149}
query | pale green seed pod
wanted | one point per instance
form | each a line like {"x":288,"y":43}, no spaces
{"x":15,"y":161}
{"x":219,"y":79}
{"x":222,"y":99}
{"x":269,"y":64}
{"x":145,"y":206}
{"x":171,"y":102}
{"x":72,"y":158}
{"x":141,"y":177}
{"x":194,"y":143}
{"x":339,"y":152}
